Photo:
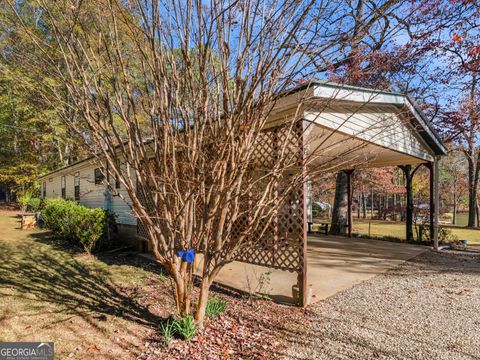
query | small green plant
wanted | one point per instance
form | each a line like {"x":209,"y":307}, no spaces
{"x":167,"y":329}
{"x":215,"y":307}
{"x":28,"y":202}
{"x":185,"y":327}
{"x":445,"y":235}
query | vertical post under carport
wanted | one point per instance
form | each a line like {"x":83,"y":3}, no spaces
{"x":430,"y":167}
{"x":436,"y":191}
{"x":302,"y":273}
{"x":349,"y":173}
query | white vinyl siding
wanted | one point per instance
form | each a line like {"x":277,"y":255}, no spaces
{"x":91,"y":195}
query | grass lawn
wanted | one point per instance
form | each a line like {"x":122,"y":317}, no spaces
{"x":397,"y":229}
{"x":86,"y":306}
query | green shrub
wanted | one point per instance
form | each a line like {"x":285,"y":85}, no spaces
{"x":30,"y":203}
{"x":215,"y":306}
{"x":75,"y":222}
{"x":34,"y":205}
{"x":185,"y":327}
{"x":89,"y":226}
{"x":445,"y":235}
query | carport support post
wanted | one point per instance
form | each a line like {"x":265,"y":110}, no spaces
{"x":430,"y":167}
{"x":302,"y":271}
{"x":349,"y":173}
{"x":436,"y":191}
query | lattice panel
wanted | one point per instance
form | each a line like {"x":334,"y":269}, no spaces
{"x":142,"y":234}
{"x":282,"y":246}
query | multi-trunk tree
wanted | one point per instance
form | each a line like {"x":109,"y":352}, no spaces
{"x":175,"y":97}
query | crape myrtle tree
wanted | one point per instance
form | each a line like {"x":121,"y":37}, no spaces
{"x":174,"y":96}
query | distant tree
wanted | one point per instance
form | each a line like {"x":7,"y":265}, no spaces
{"x":448,"y":32}
{"x":32,"y":136}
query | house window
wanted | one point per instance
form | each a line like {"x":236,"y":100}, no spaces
{"x":99,"y":176}
{"x":76,"y":183}
{"x":117,"y":182}
{"x":64,"y":187}
{"x":44,"y":189}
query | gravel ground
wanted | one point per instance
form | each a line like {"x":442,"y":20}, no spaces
{"x":427,"y":308}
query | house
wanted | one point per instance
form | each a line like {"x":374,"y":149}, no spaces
{"x":347,"y":126}
{"x":85,"y":182}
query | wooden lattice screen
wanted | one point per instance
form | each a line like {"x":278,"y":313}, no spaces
{"x":284,"y":245}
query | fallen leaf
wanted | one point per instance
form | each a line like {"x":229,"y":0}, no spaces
{"x":93,"y":348}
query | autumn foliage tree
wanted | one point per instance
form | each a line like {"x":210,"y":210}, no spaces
{"x":447,"y":34}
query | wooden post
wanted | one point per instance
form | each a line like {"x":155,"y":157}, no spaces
{"x":436,"y":199}
{"x":430,"y":167}
{"x":302,"y":273}
{"x":349,"y":200}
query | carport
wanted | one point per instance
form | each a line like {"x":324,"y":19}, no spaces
{"x":334,"y":264}
{"x":340,"y":128}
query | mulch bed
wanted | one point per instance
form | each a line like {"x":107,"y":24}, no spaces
{"x":256,"y":330}
{"x":250,"y":328}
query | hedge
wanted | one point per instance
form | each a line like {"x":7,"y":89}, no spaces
{"x":75,"y":222}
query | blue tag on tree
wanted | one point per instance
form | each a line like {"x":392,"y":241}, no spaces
{"x":187,"y":256}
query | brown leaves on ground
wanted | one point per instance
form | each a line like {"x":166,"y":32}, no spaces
{"x":256,"y":331}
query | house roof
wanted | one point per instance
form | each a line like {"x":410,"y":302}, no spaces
{"x":343,"y":92}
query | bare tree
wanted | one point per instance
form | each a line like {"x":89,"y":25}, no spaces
{"x":181,"y":99}
{"x":175,"y":96}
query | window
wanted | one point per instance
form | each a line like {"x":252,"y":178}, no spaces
{"x":44,"y":189}
{"x":64,"y":187}
{"x":76,"y":183}
{"x":99,"y":176}
{"x":117,"y":182}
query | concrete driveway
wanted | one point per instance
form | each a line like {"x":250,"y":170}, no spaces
{"x":334,"y":264}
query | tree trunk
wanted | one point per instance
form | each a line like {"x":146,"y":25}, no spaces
{"x":340,"y":205}
{"x":394,"y":216}
{"x":371,"y":205}
{"x":359,"y":201}
{"x":407,"y":170}
{"x":454,"y":220}
{"x":182,"y":277}
{"x":478,"y":216}
{"x":202,"y":302}
{"x":473,"y":173}
{"x":364,"y":205}
{"x":472,"y":207}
